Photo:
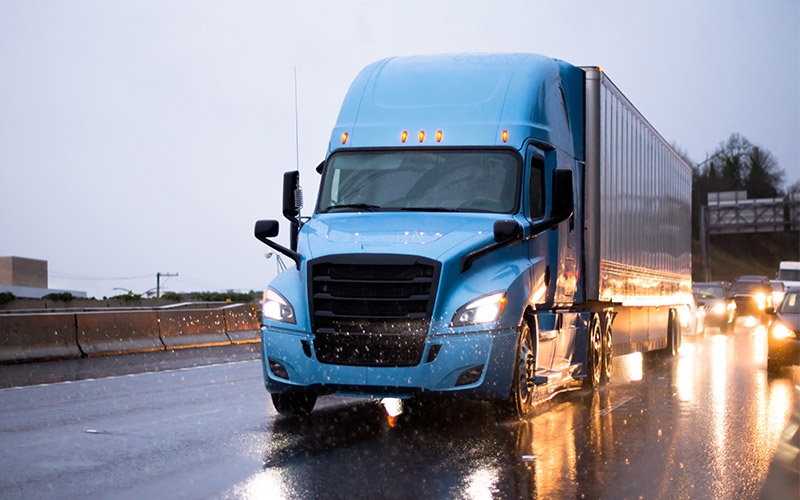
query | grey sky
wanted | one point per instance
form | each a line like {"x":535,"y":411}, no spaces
{"x":148,"y":136}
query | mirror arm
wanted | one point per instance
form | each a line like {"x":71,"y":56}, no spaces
{"x":546,"y":224}
{"x":282,"y":249}
{"x":467,"y":260}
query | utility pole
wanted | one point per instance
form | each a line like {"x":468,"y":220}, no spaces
{"x":158,"y":282}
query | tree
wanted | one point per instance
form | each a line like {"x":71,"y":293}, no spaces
{"x":764,"y":178}
{"x":738,"y":165}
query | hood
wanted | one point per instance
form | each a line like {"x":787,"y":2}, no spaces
{"x":425,"y":234}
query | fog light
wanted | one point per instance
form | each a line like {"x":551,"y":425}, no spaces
{"x":278,"y":369}
{"x":470,"y":376}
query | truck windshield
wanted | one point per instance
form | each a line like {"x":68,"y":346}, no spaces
{"x":416,"y":180}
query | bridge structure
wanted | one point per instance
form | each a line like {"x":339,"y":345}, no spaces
{"x":731,"y":212}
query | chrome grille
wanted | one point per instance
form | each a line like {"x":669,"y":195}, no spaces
{"x":371,"y":310}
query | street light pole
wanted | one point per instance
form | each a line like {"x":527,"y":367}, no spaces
{"x":158,"y":282}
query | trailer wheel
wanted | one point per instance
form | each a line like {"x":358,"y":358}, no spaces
{"x":608,"y":353}
{"x":594,"y":368}
{"x":520,"y":401}
{"x":673,"y":339}
{"x":295,"y":405}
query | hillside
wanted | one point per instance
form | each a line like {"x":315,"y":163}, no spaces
{"x":737,"y":254}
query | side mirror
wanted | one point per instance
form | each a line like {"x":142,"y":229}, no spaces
{"x":770,"y":310}
{"x":292,"y":195}
{"x":266,"y":229}
{"x":562,"y":204}
{"x":507,"y":230}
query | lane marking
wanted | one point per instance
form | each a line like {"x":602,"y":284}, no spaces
{"x":606,"y":411}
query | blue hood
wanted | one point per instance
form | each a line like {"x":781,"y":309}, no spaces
{"x":431,"y":235}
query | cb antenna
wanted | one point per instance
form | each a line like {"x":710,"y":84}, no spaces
{"x":298,"y":192}
{"x":296,"y":125}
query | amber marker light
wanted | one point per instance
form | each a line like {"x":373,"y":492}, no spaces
{"x":404,"y":136}
{"x":438,"y":136}
{"x":421,"y":135}
{"x":504,"y":135}
{"x":345,"y":135}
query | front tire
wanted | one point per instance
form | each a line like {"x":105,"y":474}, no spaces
{"x":520,"y":401}
{"x":294,"y":404}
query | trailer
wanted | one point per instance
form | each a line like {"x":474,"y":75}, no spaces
{"x":489,"y":226}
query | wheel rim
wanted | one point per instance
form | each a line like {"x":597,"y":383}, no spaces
{"x":596,"y":353}
{"x":607,"y":354}
{"x":527,"y":366}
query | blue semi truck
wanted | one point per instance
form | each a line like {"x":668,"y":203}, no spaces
{"x":492,"y":226}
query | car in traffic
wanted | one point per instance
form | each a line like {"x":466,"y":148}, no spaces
{"x":692,"y":318}
{"x":778,"y":291}
{"x":753,"y":295}
{"x":783,"y":334}
{"x":719,"y":307}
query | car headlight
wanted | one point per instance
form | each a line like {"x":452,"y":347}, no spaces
{"x":485,"y":309}
{"x":277,"y":308}
{"x":719,"y":308}
{"x":761,"y":300}
{"x":781,"y":331}
{"x":684,"y":315}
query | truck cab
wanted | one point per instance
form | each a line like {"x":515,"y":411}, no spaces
{"x":445,"y":252}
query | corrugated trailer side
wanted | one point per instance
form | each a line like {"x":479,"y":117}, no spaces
{"x":638,"y":214}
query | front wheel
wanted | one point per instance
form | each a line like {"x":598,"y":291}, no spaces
{"x":294,"y":404}
{"x":520,"y":400}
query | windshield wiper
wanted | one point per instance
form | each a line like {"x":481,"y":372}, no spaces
{"x":352,"y":206}
{"x":428,"y":209}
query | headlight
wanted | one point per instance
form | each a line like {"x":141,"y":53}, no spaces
{"x":485,"y":309}
{"x":781,"y":331}
{"x":761,"y":300}
{"x":685,"y":315}
{"x":277,"y":308}
{"x":719,"y":308}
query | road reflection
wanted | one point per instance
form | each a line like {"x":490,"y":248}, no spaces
{"x":703,"y":425}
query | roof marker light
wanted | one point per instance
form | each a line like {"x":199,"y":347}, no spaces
{"x":438,"y":136}
{"x":404,"y":136}
{"x":505,"y":135}
{"x":421,"y":135}
{"x":345,"y":135}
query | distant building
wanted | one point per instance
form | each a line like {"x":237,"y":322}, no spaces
{"x":27,"y":278}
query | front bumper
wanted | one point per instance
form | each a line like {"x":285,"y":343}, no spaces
{"x":477,"y":365}
{"x":784,"y":351}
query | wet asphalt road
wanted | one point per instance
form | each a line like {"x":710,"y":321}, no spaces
{"x":703,"y":425}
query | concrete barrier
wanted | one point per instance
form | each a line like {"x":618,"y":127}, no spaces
{"x":242,"y":323}
{"x":37,"y":337}
{"x":116,"y":332}
{"x":192,"y":328}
